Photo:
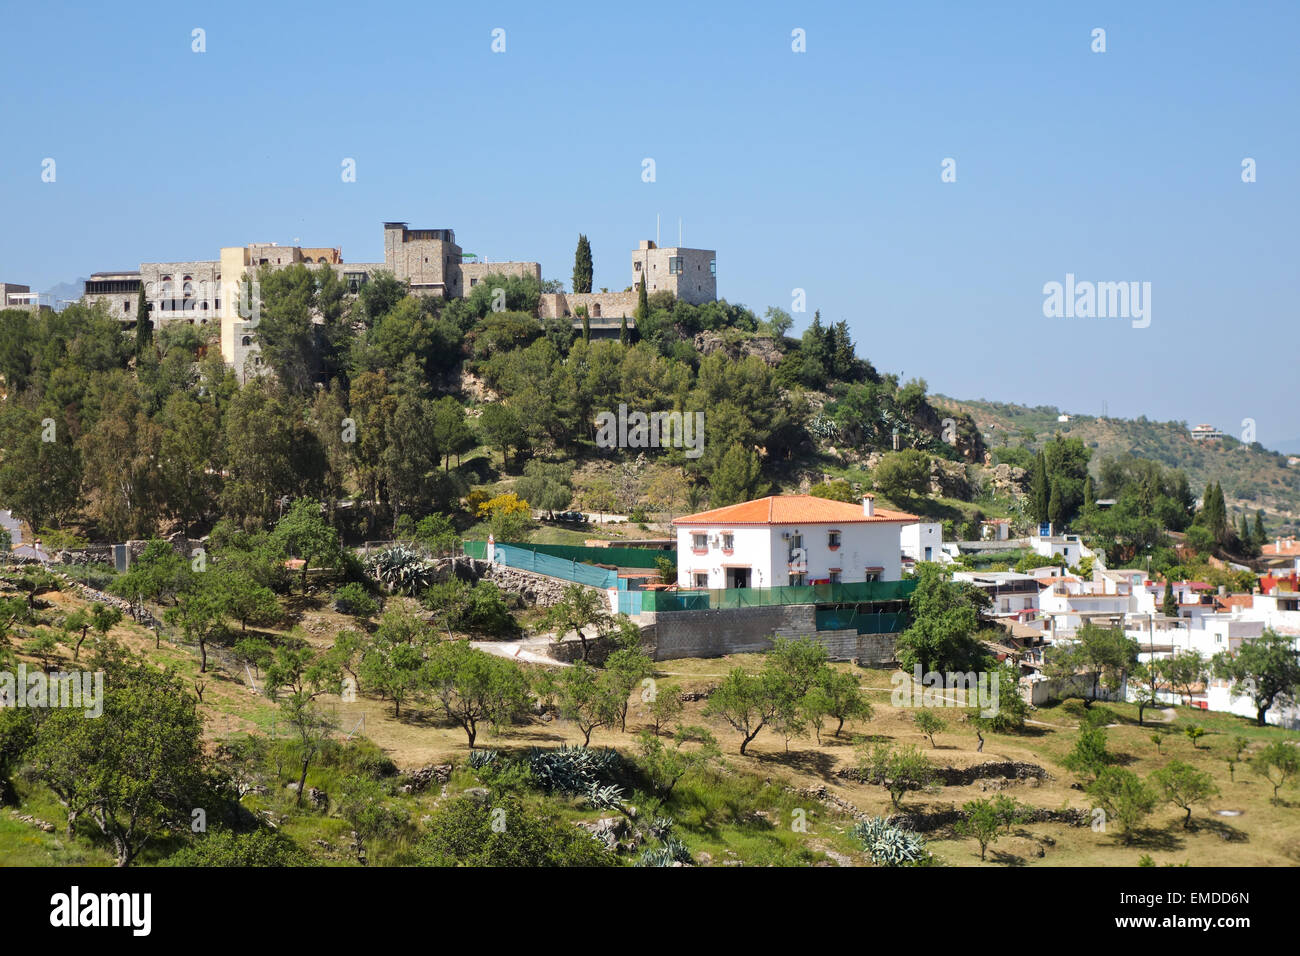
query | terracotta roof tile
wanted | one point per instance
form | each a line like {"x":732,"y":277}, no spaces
{"x":794,"y":509}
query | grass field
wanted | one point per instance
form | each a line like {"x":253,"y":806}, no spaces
{"x":751,"y":809}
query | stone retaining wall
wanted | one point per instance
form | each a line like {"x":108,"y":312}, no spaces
{"x":750,"y":630}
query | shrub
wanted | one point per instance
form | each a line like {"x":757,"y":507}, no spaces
{"x":400,"y":569}
{"x":572,"y":769}
{"x":353,"y":599}
{"x":889,"y":845}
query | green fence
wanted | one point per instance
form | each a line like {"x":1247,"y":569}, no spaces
{"x":526,"y":559}
{"x":718,"y":599}
{"x":619,"y":557}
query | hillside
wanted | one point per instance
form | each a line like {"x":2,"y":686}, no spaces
{"x":1252,"y":476}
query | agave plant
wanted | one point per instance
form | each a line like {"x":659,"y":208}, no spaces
{"x":605,"y":798}
{"x":672,"y":851}
{"x":572,"y":769}
{"x":889,"y":845}
{"x":401,"y":569}
{"x":478,"y":759}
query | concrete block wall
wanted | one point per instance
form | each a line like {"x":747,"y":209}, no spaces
{"x":751,"y":630}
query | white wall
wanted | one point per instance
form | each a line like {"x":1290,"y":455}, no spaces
{"x":765,"y":551}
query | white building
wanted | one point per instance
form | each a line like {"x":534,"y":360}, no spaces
{"x":1282,"y":555}
{"x":1014,"y":595}
{"x":923,"y":541}
{"x":785,"y":540}
{"x":1068,"y":546}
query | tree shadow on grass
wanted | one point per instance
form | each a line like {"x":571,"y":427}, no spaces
{"x":813,"y":762}
{"x":1151,"y":838}
{"x":1222,"y":829}
{"x":1005,"y":857}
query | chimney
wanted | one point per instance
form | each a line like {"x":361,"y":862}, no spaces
{"x":1279,"y":545}
{"x":868,"y":505}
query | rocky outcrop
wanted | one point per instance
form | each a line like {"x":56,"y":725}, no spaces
{"x":616,"y":833}
{"x":762,"y":346}
{"x":948,"y":479}
{"x":418,"y":781}
{"x":1008,"y":479}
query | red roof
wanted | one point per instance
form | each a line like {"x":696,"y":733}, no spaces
{"x":794,"y":509}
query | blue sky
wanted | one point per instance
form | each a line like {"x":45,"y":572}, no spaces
{"x":818,"y":170}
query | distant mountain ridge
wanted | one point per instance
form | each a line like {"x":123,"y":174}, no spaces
{"x":1253,"y":477}
{"x":64,"y":293}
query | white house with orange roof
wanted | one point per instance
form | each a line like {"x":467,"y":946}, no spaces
{"x":786,"y":540}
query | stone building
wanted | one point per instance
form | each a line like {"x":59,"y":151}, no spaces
{"x":429,"y":260}
{"x":210,"y":291}
{"x":689,"y":274}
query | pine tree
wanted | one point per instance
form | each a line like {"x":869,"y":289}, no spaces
{"x":582,"y":265}
{"x":143,"y":325}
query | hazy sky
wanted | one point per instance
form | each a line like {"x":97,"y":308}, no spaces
{"x":818,"y":170}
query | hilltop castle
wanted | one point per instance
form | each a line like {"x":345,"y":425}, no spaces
{"x":429,"y":260}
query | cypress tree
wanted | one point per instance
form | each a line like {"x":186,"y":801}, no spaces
{"x":1089,"y":497}
{"x":1039,"y":490}
{"x":1260,"y":535}
{"x":1170,"y":604}
{"x":623,"y":339}
{"x":582,"y":265}
{"x":1244,"y":534}
{"x":1055,"y":506}
{"x":1219,"y":516}
{"x":586,"y":326}
{"x":642,"y":302}
{"x":143,"y":325}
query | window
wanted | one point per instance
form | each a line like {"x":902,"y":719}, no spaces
{"x":798,"y":580}
{"x":699,"y":542}
{"x":675,"y":265}
{"x":636,"y":266}
{"x":833,"y":540}
{"x":713,"y":267}
{"x":728,"y":542}
{"x":835,"y":577}
{"x":701,"y":579}
{"x":126,"y":306}
{"x":247,"y":341}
